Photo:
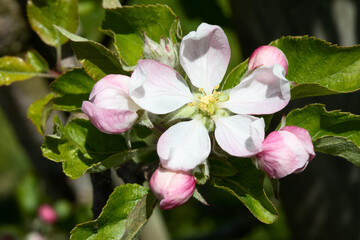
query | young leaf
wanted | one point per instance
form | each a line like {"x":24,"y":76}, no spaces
{"x":82,"y":148}
{"x":123,"y":217}
{"x":319,"y":68}
{"x":97,"y":60}
{"x":44,"y":14}
{"x":15,"y":69}
{"x":39,"y":112}
{"x":336,"y":133}
{"x":37,"y":61}
{"x":71,"y":89}
{"x":155,"y":20}
{"x":247,"y":186}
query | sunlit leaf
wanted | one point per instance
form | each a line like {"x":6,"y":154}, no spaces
{"x":44,"y":14}
{"x":39,"y":112}
{"x":123,"y":217}
{"x":336,"y":133}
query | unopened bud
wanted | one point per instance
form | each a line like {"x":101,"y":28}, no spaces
{"x":166,"y":52}
{"x":47,"y":214}
{"x":172,"y":188}
{"x":110,"y":108}
{"x":286,"y":151}
{"x":267,"y":56}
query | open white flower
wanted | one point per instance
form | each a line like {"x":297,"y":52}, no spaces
{"x":205,"y":55}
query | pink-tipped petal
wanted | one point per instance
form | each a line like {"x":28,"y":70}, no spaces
{"x":172,"y":188}
{"x":110,"y":121}
{"x":184,"y":145}
{"x":304,"y":137}
{"x":265,"y":91}
{"x":112,"y":81}
{"x":205,"y":56}
{"x":267,"y":56}
{"x":158,"y":88}
{"x":285,"y":152}
{"x":240,"y":135}
{"x":110,"y":108}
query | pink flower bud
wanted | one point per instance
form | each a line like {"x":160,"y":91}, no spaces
{"x":110,"y":108}
{"x":267,"y":56}
{"x":285,"y":151}
{"x":172,"y":188}
{"x":47,"y":214}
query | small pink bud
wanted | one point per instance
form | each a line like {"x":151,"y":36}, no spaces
{"x":172,"y":188}
{"x":285,"y":151}
{"x":267,"y":56}
{"x":110,"y":108}
{"x":47,"y":214}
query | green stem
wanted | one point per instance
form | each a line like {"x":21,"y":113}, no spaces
{"x":58,"y":59}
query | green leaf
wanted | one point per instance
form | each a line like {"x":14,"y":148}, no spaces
{"x":82,"y":148}
{"x":123,"y":217}
{"x":37,"y":61}
{"x":39,"y":112}
{"x":220,"y":167}
{"x":155,"y":20}
{"x":336,"y":133}
{"x":71,"y":89}
{"x":247,"y":186}
{"x":97,"y":60}
{"x":319,"y":68}
{"x":15,"y":69}
{"x":234,"y":77}
{"x":44,"y":14}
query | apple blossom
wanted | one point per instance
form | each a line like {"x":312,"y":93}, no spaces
{"x":267,"y":56}
{"x":204,"y":55}
{"x":172,"y":188}
{"x":110,"y":108}
{"x":286,"y":151}
{"x":47,"y":214}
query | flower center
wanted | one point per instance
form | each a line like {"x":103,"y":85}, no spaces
{"x":208,"y":103}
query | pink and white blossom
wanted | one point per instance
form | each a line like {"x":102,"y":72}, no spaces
{"x":204,"y":55}
{"x":172,"y":188}
{"x":286,"y":151}
{"x":110,"y":108}
{"x":267,"y":56}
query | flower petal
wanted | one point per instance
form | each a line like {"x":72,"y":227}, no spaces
{"x":240,"y":135}
{"x":158,"y":88}
{"x":205,"y":55}
{"x":184,"y":145}
{"x":112,"y":81}
{"x":304,"y":138}
{"x":110,"y":121}
{"x":264,"y":91}
{"x":283,"y":153}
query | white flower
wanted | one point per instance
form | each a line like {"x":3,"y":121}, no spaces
{"x":205,"y":55}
